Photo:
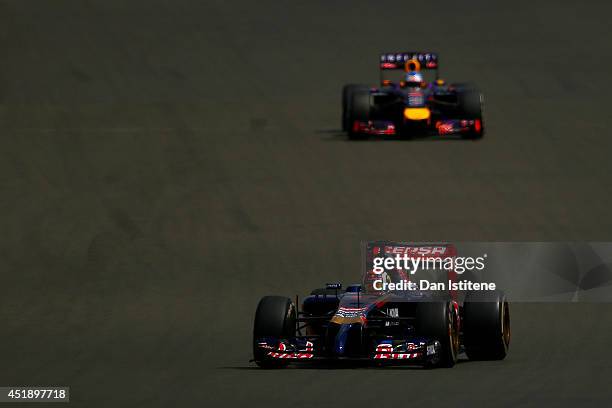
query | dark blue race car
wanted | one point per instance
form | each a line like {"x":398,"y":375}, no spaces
{"x":381,"y":326}
{"x":409,"y":104}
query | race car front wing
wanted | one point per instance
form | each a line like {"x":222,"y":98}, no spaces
{"x":413,"y":350}
{"x":440,"y":128}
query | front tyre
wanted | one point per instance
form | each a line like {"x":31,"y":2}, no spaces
{"x":347,"y":94}
{"x":471,"y":102}
{"x":359,"y":108}
{"x":275,"y":317}
{"x":439,"y":321}
{"x":486,"y":326}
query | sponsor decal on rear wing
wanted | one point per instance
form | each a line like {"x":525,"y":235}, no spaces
{"x":412,"y":250}
{"x":397,"y":60}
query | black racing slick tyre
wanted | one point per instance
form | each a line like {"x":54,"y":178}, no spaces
{"x":486,"y":326}
{"x":275,"y":317}
{"x":347,"y":93}
{"x":359,"y":106}
{"x":470,"y":101}
{"x":439,"y":321}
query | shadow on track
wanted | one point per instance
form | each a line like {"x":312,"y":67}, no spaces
{"x":336,"y":135}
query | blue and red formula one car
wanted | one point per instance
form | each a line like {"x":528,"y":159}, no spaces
{"x":369,"y":323}
{"x":408,"y":104}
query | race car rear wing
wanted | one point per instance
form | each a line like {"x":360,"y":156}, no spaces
{"x":397,"y":60}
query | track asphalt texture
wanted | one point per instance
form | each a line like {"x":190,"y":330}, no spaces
{"x":164,"y":164}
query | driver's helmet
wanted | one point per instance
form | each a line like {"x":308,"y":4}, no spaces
{"x":414,"y":79}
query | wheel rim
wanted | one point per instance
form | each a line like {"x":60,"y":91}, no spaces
{"x":505,"y":321}
{"x":453,"y":335}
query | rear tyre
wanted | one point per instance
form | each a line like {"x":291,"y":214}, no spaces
{"x":358,"y":110}
{"x":347,"y":93}
{"x":275,"y":317}
{"x":438,"y":320}
{"x":471,"y":103}
{"x":486,"y":326}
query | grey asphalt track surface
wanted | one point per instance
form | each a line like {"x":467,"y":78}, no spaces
{"x":164,"y":164}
